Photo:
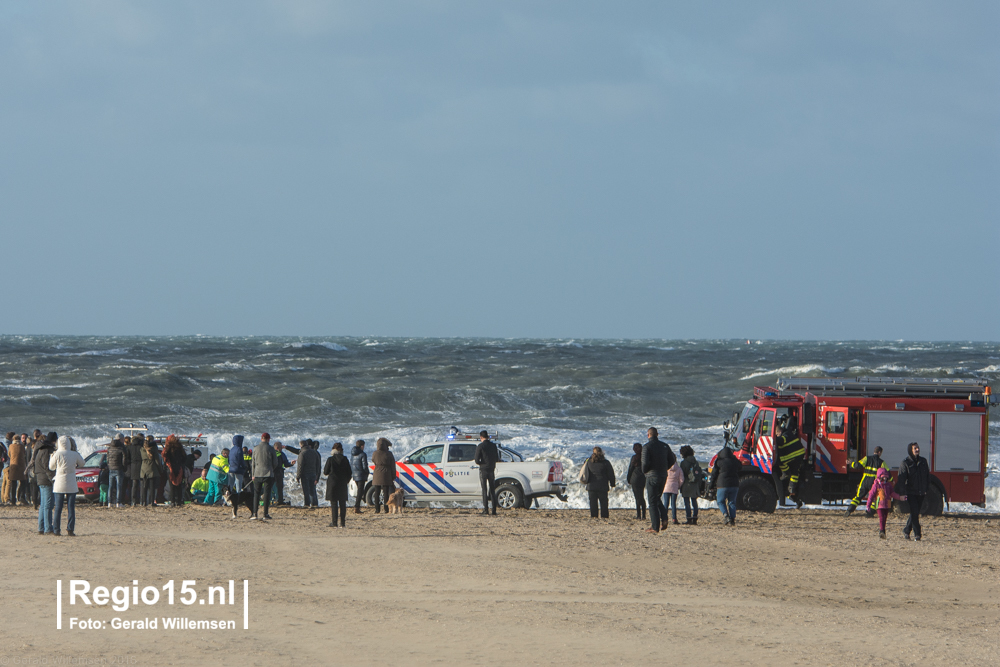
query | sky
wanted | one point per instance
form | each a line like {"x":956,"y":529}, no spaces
{"x":516,"y":169}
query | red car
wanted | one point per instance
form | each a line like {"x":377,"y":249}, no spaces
{"x":87,"y":477}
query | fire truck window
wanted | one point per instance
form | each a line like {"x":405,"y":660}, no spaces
{"x":834,"y":422}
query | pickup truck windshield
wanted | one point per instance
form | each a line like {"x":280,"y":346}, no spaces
{"x":749,"y":410}
{"x":430,"y":454}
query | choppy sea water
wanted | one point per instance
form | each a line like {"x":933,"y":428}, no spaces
{"x":548,"y":398}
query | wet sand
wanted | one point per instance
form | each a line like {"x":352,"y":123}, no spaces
{"x":527,"y":587}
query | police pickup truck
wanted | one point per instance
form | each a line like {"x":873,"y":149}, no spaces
{"x":447,"y":472}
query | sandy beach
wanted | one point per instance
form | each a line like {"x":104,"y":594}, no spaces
{"x":527,"y":587}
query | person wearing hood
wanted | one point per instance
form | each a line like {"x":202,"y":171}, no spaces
{"x":64,"y":462}
{"x":637,"y":481}
{"x":384,"y":478}
{"x":338,"y":475}
{"x":914,"y":477}
{"x":359,"y":472}
{"x":237,"y":465}
{"x":880,"y":498}
{"x":599,"y":477}
{"x":43,"y":476}
{"x":308,"y":467}
{"x":726,"y":481}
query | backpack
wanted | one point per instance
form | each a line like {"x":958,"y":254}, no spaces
{"x":697,"y":476}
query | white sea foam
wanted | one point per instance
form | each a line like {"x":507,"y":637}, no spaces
{"x":792,"y":370}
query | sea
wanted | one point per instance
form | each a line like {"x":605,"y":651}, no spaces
{"x":548,"y":399}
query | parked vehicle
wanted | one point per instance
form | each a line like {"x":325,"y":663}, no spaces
{"x":87,"y":476}
{"x":842,"y":420}
{"x":447,"y":472}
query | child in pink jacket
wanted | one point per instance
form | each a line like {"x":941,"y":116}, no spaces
{"x":880,"y":498}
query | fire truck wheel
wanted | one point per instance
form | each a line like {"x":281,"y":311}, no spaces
{"x":933,"y":504}
{"x":756,"y":494}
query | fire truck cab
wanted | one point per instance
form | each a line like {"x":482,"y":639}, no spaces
{"x":840,"y":421}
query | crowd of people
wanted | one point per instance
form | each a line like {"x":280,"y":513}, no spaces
{"x":41,"y":471}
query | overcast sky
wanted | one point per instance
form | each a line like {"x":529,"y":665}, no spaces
{"x":785,"y":170}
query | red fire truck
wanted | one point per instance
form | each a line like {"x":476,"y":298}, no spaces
{"x":843,"y":420}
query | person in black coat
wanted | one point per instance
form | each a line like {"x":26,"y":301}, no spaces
{"x":599,"y":476}
{"x":338,"y":476}
{"x":914,"y":478}
{"x":637,"y":481}
{"x":487,"y":458}
{"x":657,"y":458}
{"x":726,"y":481}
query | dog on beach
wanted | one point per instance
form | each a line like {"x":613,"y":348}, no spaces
{"x":395,"y":503}
{"x":244,"y":497}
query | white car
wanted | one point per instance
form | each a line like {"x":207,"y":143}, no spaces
{"x":447,"y":472}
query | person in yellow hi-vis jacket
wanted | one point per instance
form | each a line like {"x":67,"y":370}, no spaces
{"x":218,"y":475}
{"x":870,"y":464}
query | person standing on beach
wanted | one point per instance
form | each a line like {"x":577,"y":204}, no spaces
{"x":117,"y":462}
{"x":670,"y":491}
{"x":487,"y":458}
{"x":338,"y":476}
{"x":43,"y":475}
{"x":134,"y":448}
{"x":308,"y":468}
{"x":176,"y":461}
{"x":263,"y":475}
{"x":691,"y":487}
{"x":599,"y":476}
{"x":726,"y":481}
{"x":637,"y":481}
{"x":384,"y":477}
{"x":359,"y":472}
{"x":280,"y":463}
{"x":150,"y":471}
{"x":65,"y":462}
{"x":914,"y":478}
{"x":237,"y":465}
{"x":17,"y":478}
{"x":657,"y":459}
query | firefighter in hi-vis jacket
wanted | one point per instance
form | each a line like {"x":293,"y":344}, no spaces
{"x":790,"y":454}
{"x":870,"y":464}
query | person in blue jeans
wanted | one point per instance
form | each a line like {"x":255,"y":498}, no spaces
{"x":64,"y":463}
{"x":726,"y":480}
{"x":43,"y":476}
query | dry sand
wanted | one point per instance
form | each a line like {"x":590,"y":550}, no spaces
{"x":527,"y":587}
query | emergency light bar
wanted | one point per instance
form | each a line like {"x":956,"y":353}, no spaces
{"x":867,"y":386}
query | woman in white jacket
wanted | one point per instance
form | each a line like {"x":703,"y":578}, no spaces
{"x":65,"y":461}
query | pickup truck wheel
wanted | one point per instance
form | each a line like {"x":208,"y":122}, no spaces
{"x":510,"y":496}
{"x":756,"y":495}
{"x":370,"y":496}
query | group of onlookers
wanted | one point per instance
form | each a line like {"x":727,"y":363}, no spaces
{"x":42,"y":471}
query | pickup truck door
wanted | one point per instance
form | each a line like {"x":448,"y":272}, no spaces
{"x":460,"y":472}
{"x":418,"y":473}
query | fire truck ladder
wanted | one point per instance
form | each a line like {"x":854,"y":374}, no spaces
{"x":874,"y":386}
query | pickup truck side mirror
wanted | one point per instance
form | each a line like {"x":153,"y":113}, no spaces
{"x":406,"y":460}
